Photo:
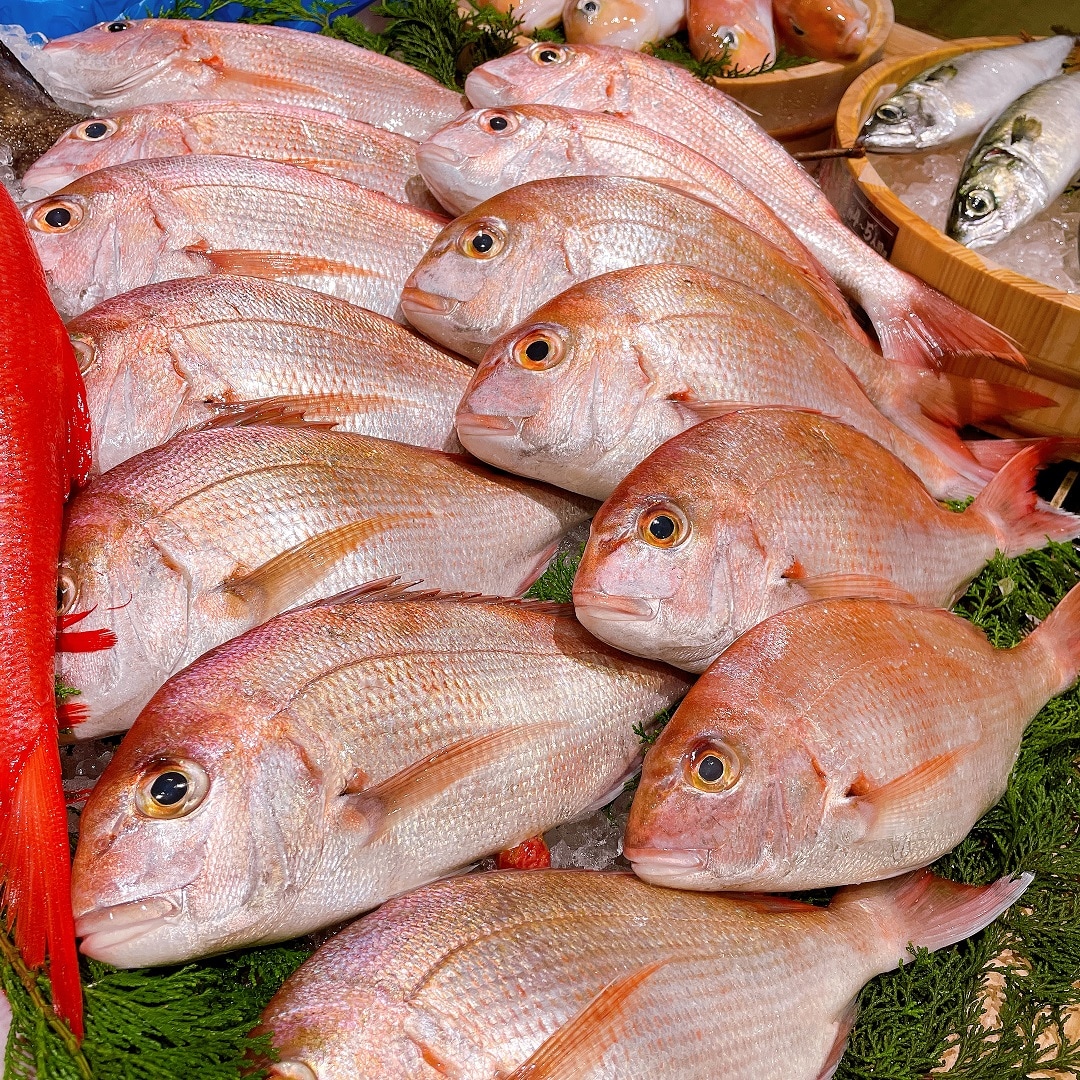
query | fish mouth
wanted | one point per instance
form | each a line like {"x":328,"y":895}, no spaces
{"x":611,"y":608}
{"x":433,"y":153}
{"x":106,"y":927}
{"x":651,"y":863}
{"x":485,"y":425}
{"x":491,"y":87}
{"x":423,"y":302}
{"x":41,"y":183}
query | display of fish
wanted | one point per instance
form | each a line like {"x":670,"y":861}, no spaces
{"x":488,"y":151}
{"x":493,"y":266}
{"x":824,"y":29}
{"x":597,"y":378}
{"x":148,"y":221}
{"x":757,"y":511}
{"x":129,"y":62}
{"x":740,"y":30}
{"x":344,"y":754}
{"x":625,"y":24}
{"x":29,"y":119}
{"x":914,"y":322}
{"x":1022,"y":162}
{"x":45,"y":449}
{"x":348,"y":149}
{"x":841,"y":741}
{"x":190,"y":544}
{"x":959,"y":97}
{"x":173,"y":356}
{"x":518,"y":974}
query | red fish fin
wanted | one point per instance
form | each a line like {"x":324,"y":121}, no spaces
{"x":289,"y":89}
{"x":85,"y":640}
{"x":843,"y":1032}
{"x":77,"y":413}
{"x":317,"y":410}
{"x":531,"y":854}
{"x":950,"y":449}
{"x":71,"y":713}
{"x":1059,"y":634}
{"x":994,"y":454}
{"x":927,"y":911}
{"x":700,"y":409}
{"x":435,"y":773}
{"x":1010,"y":505}
{"x":269,"y":412}
{"x":956,"y":400}
{"x":768,"y":904}
{"x":887,"y":809}
{"x":273,"y":264}
{"x":928,"y":329}
{"x":577,"y":1048}
{"x":831,"y":586}
{"x":36,"y":867}
{"x":281,"y":581}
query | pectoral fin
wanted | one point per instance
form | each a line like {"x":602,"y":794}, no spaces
{"x":843,"y":1033}
{"x":578,"y":1047}
{"x":832,"y":586}
{"x":700,"y":409}
{"x":311,"y":410}
{"x":274,"y":264}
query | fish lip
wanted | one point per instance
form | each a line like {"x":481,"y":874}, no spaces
{"x":492,"y":87}
{"x":118,"y":924}
{"x":487,"y":425}
{"x":40,"y":183}
{"x":426,"y":303}
{"x":609,"y":607}
{"x":437,"y":153}
{"x":666,"y":862}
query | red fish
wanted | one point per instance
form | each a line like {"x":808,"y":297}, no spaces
{"x":44,"y":449}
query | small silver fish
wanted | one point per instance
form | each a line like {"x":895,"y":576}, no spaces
{"x":1021,"y":164}
{"x":960,"y":96}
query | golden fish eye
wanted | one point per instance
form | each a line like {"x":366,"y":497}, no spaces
{"x":663,"y":527}
{"x":483,"y":242}
{"x":84,"y":353}
{"x":539,"y":350}
{"x":171,"y":789}
{"x":978,"y":203}
{"x":56,"y":216}
{"x":95,"y":130}
{"x":67,"y":591}
{"x":548,"y":54}
{"x":713,"y":767}
{"x":499,"y":122}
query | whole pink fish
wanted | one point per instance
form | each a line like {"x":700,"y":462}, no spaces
{"x":147,"y":221}
{"x":757,"y":511}
{"x":560,"y":974}
{"x":348,"y":149}
{"x":172,"y":356}
{"x":740,"y":29}
{"x":914,"y":322}
{"x":841,"y":741}
{"x":124,"y":63}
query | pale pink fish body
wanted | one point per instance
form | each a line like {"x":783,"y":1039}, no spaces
{"x":348,"y":149}
{"x":534,"y":14}
{"x":301,"y":736}
{"x":625,"y":24}
{"x":622,"y":362}
{"x":743,"y":27}
{"x":189,"y":544}
{"x":485,"y":152}
{"x":172,"y":356}
{"x":825,"y":29}
{"x":914,"y":322}
{"x":751,"y":513}
{"x":841,"y":741}
{"x":498,"y":975}
{"x":126,"y":63}
{"x":148,"y":221}
{"x":493,"y":266}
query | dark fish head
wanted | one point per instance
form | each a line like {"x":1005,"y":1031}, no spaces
{"x":909,"y":120}
{"x":998,"y":192}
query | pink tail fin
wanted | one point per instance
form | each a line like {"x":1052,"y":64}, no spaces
{"x":956,"y":400}
{"x":1011,"y":506}
{"x":36,"y":867}
{"x":920,"y":326}
{"x":995,"y":454}
{"x":1059,"y":634}
{"x":930,"y":912}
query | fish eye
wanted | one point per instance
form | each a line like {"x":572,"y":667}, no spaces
{"x":727,"y":36}
{"x":549,"y":54}
{"x":498,"y":121}
{"x":979,"y":202}
{"x":171,"y":789}
{"x":95,"y":129}
{"x":588,"y":7}
{"x":539,"y":350}
{"x":663,"y":527}
{"x":67,"y":591}
{"x":713,"y":767}
{"x":56,"y":215}
{"x":483,"y":242}
{"x":84,"y":353}
{"x":118,"y":25}
{"x":890,"y":113}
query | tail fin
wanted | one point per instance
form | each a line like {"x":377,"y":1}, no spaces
{"x":957,"y":400}
{"x":36,"y":867}
{"x":954,"y":474}
{"x":918,"y":325}
{"x":1011,"y":506}
{"x":927,"y":911}
{"x":1059,"y":635}
{"x":995,"y":454}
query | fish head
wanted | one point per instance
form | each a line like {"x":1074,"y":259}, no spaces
{"x":1001,"y":192}
{"x":200,"y":833}
{"x":671,"y":563}
{"x":560,"y":396}
{"x":626,"y":24}
{"x":906,"y":121}
{"x":834,"y":30}
{"x":590,"y":77}
{"x":486,"y":270}
{"x":98,"y":143}
{"x":117,"y":577}
{"x":729,"y":794}
{"x":486,"y":151}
